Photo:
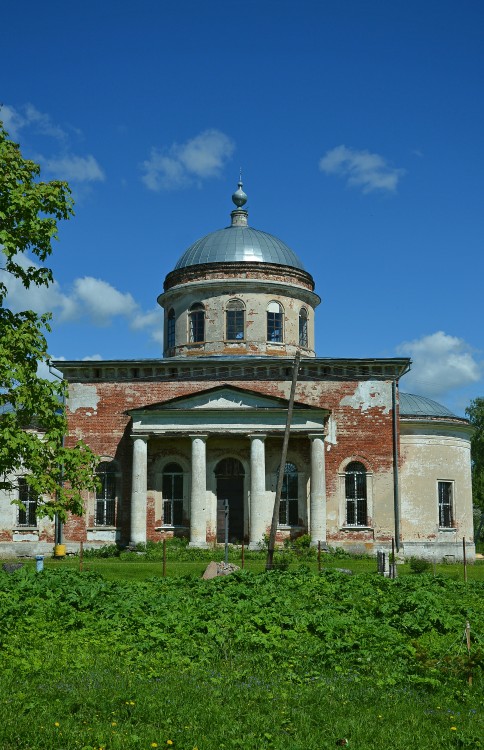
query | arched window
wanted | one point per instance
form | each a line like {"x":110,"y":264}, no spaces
{"x":172,"y":495}
{"x":170,"y":329}
{"x":105,"y":512}
{"x":303,"y":327}
{"x":27,"y":513}
{"x":356,"y":494}
{"x":196,"y":323}
{"x":235,"y":320}
{"x":289,"y":508}
{"x":275,"y":318}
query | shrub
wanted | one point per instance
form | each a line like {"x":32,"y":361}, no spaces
{"x":417,"y":565}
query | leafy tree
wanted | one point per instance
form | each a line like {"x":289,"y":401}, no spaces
{"x":475,"y":413}
{"x":32,"y":416}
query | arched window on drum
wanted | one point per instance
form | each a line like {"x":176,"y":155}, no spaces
{"x":303,"y":327}
{"x":235,"y":320}
{"x":275,"y":322}
{"x":196,"y":323}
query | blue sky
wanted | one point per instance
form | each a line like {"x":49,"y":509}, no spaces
{"x":359,"y":129}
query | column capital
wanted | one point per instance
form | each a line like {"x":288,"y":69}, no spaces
{"x":135,"y":436}
{"x":257,"y":435}
{"x":199,"y":436}
{"x":315,"y":435}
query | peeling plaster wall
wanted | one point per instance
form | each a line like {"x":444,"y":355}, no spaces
{"x":429,"y":455}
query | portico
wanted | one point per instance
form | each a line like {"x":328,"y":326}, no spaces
{"x":231,"y":423}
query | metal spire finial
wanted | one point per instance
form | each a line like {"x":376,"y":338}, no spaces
{"x":239,"y":197}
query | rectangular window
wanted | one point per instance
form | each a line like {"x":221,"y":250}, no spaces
{"x":26,"y":515}
{"x":289,"y":505}
{"x":446,"y":515}
{"x":106,"y":499}
{"x":356,"y":509}
{"x":172,"y":499}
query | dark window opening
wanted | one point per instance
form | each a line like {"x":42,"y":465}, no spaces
{"x":446,"y":517}
{"x":105,"y":514}
{"x":196,"y":323}
{"x":356,"y":495}
{"x":27,"y":515}
{"x":235,"y":320}
{"x":172,"y":489}
{"x":303,"y":327}
{"x":289,"y":506}
{"x":170,"y":329}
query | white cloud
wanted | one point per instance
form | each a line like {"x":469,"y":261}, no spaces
{"x":28,"y":116}
{"x":440,"y":364}
{"x":361,"y":169}
{"x":64,"y":166}
{"x":88,"y":298}
{"x":74,"y":168}
{"x":93,"y":358}
{"x":200,"y":158}
{"x":101,"y":301}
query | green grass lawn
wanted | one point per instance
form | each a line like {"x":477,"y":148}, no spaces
{"x":141,"y":569}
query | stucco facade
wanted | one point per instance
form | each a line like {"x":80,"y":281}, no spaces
{"x":180,"y":435}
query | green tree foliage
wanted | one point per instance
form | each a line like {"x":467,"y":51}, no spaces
{"x":32,"y":418}
{"x":475,"y":413}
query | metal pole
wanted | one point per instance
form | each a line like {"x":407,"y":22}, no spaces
{"x":226,"y":511}
{"x":282,"y":467}
{"x":243,"y":554}
{"x":393,"y":559}
{"x":465,"y":558}
{"x":164,"y":558}
{"x":319,"y":556}
{"x":396,"y":492}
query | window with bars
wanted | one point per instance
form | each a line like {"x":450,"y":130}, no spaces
{"x":105,"y":513}
{"x":303,"y":327}
{"x":27,"y":515}
{"x":275,"y":321}
{"x":289,"y":506}
{"x":446,"y":513}
{"x":356,"y":494}
{"x":196,"y":323}
{"x":170,"y":329}
{"x":172,"y":488}
{"x":235,"y":320}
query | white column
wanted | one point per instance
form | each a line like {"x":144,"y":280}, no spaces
{"x":317,"y":507}
{"x":258,"y":521}
{"x":198,"y":496}
{"x":139,"y":489}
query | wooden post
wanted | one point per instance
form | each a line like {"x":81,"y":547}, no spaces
{"x":464,"y":558}
{"x":81,"y":555}
{"x":468,"y":643}
{"x":164,"y":558}
{"x":243,"y":554}
{"x":282,"y":467}
{"x":319,"y":556}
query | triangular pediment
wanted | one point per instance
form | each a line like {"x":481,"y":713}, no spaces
{"x":222,"y":397}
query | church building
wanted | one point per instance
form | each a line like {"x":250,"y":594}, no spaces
{"x":179,"y":436}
